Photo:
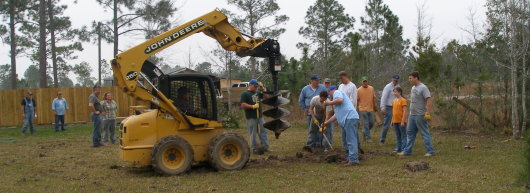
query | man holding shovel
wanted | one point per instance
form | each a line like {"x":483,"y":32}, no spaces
{"x":250,"y":101}
{"x":318,"y":114}
{"x":348,"y":118}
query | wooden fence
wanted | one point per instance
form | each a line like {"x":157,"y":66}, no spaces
{"x":77,"y":99}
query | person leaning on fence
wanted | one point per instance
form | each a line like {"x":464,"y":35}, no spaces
{"x":59,"y":107}
{"x":386,"y":106}
{"x":29,"y":107}
{"x":420,"y":108}
{"x":95,"y":109}
{"x":348,"y":119}
{"x":250,"y":101}
{"x":110,"y":109}
{"x":308,"y":92}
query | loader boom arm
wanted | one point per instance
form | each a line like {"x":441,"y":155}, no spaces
{"x":127,"y":65}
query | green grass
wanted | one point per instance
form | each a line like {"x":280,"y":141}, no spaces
{"x":65,"y":162}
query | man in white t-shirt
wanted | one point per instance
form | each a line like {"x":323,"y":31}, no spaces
{"x":348,"y":88}
{"x":319,"y":114}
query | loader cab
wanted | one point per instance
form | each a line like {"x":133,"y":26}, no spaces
{"x":193,"y":94}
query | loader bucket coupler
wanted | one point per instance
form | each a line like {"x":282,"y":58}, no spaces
{"x":277,"y":126}
{"x":275,"y":101}
{"x":276,"y":113}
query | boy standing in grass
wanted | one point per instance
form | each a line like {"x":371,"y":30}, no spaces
{"x":399,"y":119}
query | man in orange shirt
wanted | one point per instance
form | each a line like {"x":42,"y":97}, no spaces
{"x":367,"y":107}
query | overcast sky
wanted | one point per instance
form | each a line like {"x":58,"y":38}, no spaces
{"x":448,"y":18}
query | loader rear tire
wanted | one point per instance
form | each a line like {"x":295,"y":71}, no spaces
{"x":228,"y":151}
{"x":172,"y":155}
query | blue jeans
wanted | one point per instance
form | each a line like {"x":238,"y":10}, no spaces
{"x":350,"y":140}
{"x":367,"y":119}
{"x":387,"y":119}
{"x":59,"y":118}
{"x":401,"y":137}
{"x":417,"y":122}
{"x":96,"y":132}
{"x":28,"y":120}
{"x":313,"y":134}
{"x":252,"y":127}
{"x":109,"y":126}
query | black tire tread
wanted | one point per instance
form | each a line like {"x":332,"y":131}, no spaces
{"x":160,"y":144}
{"x":212,"y":154}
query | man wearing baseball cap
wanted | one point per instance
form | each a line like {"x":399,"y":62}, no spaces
{"x":348,"y":119}
{"x":386,"y":106}
{"x":367,"y":107}
{"x":250,"y":101}
{"x":29,"y":107}
{"x":308,"y":92}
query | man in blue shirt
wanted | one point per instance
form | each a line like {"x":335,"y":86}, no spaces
{"x":348,"y":119}
{"x":59,"y":108}
{"x":308,"y":92}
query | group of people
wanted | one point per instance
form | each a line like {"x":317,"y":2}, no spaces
{"x":348,"y":105}
{"x":103,"y":114}
{"x":29,"y":109}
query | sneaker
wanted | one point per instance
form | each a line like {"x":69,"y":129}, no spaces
{"x":349,"y":164}
{"x":400,"y":153}
{"x":428,"y":155}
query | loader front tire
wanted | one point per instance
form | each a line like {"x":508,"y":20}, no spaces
{"x":228,"y":151}
{"x":172,"y":155}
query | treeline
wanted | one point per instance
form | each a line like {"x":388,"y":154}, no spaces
{"x":40,"y":31}
{"x":490,"y":69}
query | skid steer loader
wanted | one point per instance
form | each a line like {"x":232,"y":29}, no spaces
{"x":183,"y":128}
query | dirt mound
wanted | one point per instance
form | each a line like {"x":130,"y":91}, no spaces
{"x":312,"y":155}
{"x":415,"y":166}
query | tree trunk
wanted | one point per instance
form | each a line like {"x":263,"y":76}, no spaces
{"x":513,"y":64}
{"x":115,"y":22}
{"x":42,"y":44}
{"x":99,"y":53}
{"x":52,"y":37}
{"x":524,"y":72}
{"x":13,"y":43}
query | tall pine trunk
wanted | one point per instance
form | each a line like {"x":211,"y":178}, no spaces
{"x":52,"y":43}
{"x":12,"y":37}
{"x":42,"y":44}
{"x":99,"y":53}
{"x":524,"y":34}
{"x":115,"y":22}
